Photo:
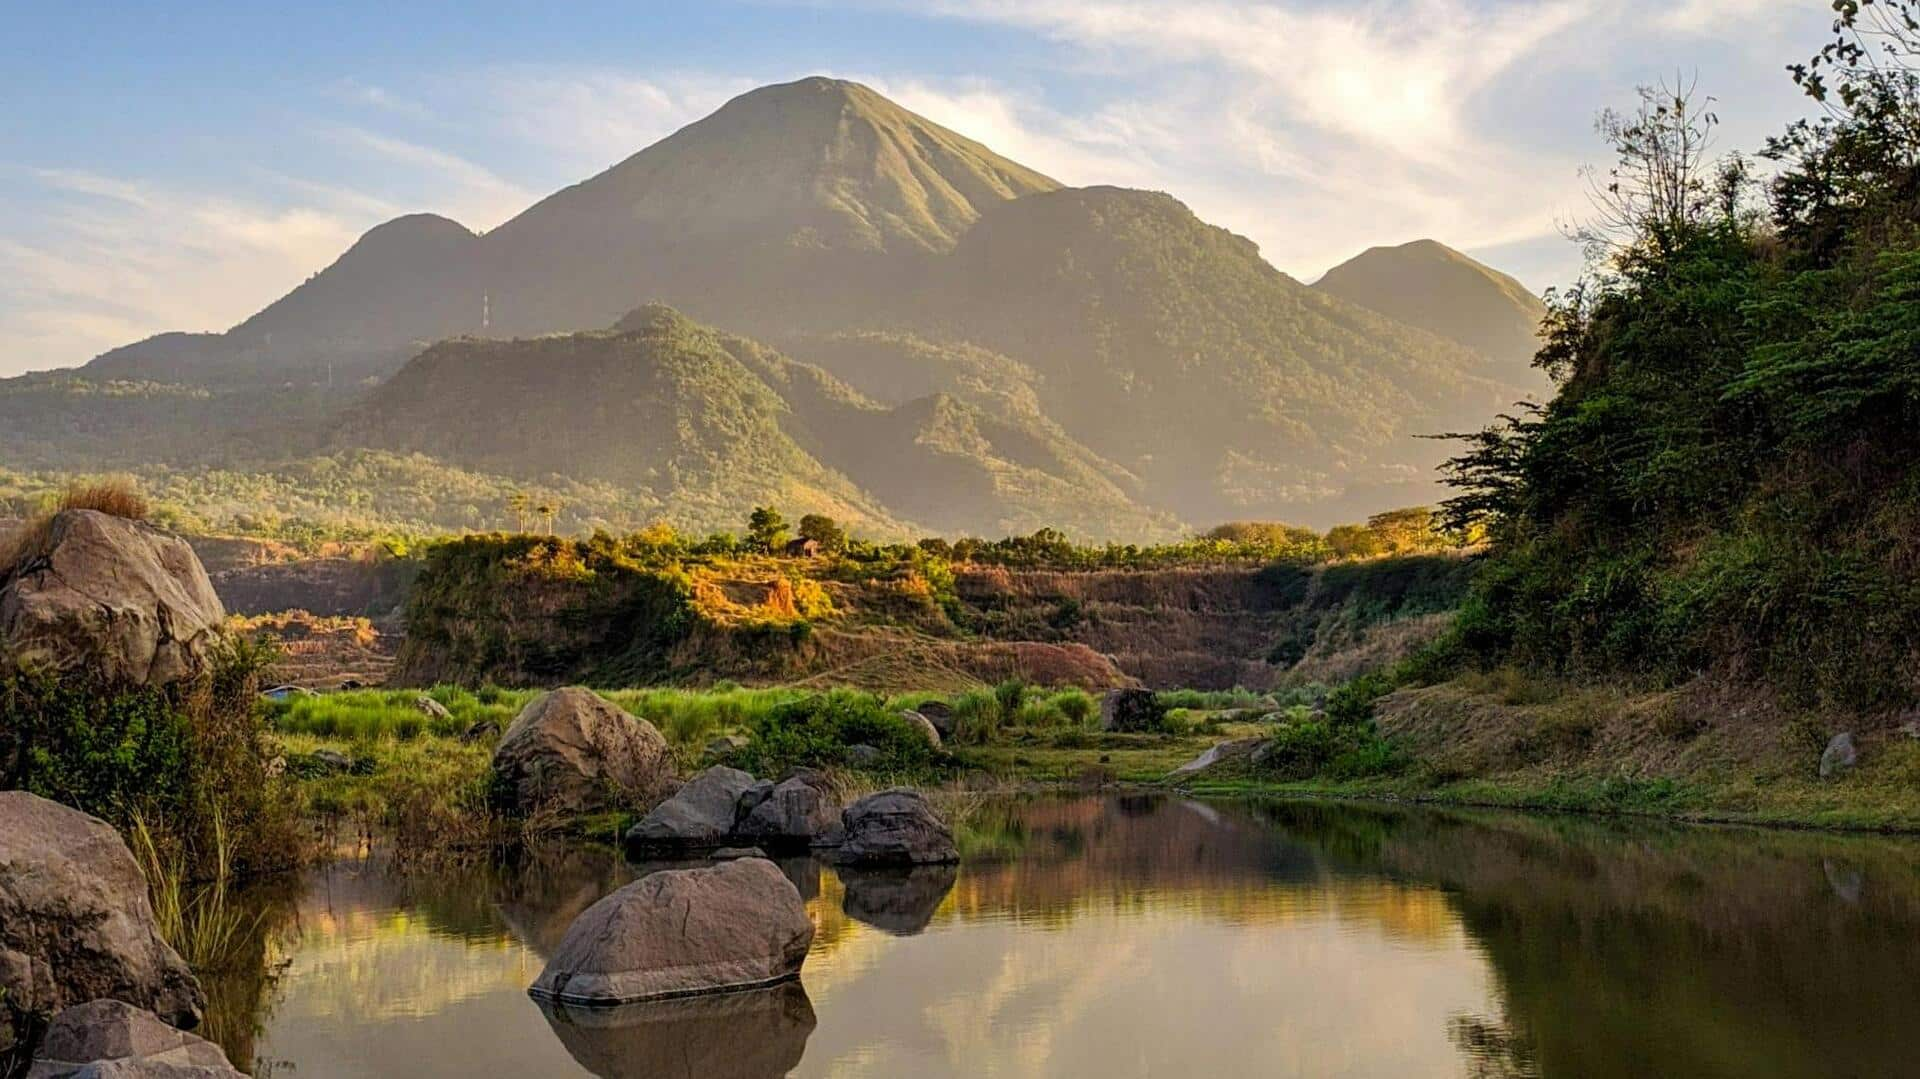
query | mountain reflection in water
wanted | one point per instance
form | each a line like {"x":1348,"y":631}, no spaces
{"x":1135,"y":936}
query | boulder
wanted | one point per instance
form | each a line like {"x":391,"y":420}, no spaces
{"x":1131,"y":711}
{"x":699,"y":817}
{"x":896,"y":899}
{"x":75,"y":925}
{"x":679,"y":932}
{"x":726,"y":746}
{"x":331,"y":761}
{"x":895,"y":827}
{"x":432,"y":709}
{"x":112,"y":1037}
{"x":923,"y":725}
{"x":571,"y":751}
{"x":862,"y":755}
{"x":796,"y":812}
{"x":753,"y":1035}
{"x":728,"y":854}
{"x":940,"y":714}
{"x":117,"y":599}
{"x":1840,"y":756}
{"x":479,"y":731}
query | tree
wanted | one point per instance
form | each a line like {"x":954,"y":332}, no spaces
{"x":547,"y":511}
{"x":1405,"y":531}
{"x":1353,"y":541}
{"x":766,"y":529}
{"x":1658,"y":187}
{"x":518,"y":504}
{"x":824,"y":531}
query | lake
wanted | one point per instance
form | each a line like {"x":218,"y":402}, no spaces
{"x":1132,"y":935}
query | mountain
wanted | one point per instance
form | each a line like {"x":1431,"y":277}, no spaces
{"x":1430,"y":285}
{"x":907,"y":326}
{"x":709,"y":423}
{"x":1169,"y":346}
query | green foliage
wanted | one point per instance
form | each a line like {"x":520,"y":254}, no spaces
{"x":767,"y":530}
{"x":1729,"y":477}
{"x":818,"y":730}
{"x":189,"y":759}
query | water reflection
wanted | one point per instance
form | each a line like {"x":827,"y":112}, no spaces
{"x":1147,"y":936}
{"x":757,"y":1035}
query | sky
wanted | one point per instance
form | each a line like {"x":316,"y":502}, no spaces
{"x":179,"y":166}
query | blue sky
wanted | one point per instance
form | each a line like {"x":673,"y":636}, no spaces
{"x":179,"y":166}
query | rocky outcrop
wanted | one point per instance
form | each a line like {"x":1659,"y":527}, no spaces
{"x":895,"y":827}
{"x":572,"y":751}
{"x":753,"y":1035}
{"x":75,"y":925}
{"x":700,"y":816}
{"x":796,"y":813}
{"x":1218,"y":753}
{"x":113,"y":1038}
{"x":681,"y":932}
{"x":116,"y":599}
{"x":1131,"y":711}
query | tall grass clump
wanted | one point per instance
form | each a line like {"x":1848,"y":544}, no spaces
{"x":114,"y":495}
{"x":977,"y":717}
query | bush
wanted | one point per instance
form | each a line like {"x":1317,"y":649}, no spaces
{"x":818,"y":730}
{"x":190,"y":760}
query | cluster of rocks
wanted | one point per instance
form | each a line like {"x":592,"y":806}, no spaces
{"x":78,"y":944}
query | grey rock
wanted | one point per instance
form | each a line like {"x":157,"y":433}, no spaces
{"x":75,"y":925}
{"x":571,"y":751}
{"x":1840,"y":756}
{"x":895,"y":827}
{"x":737,"y":925}
{"x":331,"y":761}
{"x":940,"y":714}
{"x":700,"y":816}
{"x":797,"y":810}
{"x":923,"y":725}
{"x":111,"y":1037}
{"x":480,"y":731}
{"x":863,"y":755}
{"x":728,"y":854}
{"x":118,"y":599}
{"x":751,"y":798}
{"x":726,"y":746}
{"x":432,"y":709}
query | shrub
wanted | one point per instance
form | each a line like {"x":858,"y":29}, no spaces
{"x":977,"y":717}
{"x":818,"y":730}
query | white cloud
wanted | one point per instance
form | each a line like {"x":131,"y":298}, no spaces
{"x":461,"y":189}
{"x":595,"y":119}
{"x":115,"y":260}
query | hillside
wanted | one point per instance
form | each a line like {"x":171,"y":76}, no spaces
{"x":1005,"y":354}
{"x":1171,"y":347}
{"x":708,"y":424}
{"x":1430,"y":285}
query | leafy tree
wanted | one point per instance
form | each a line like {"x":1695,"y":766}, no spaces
{"x":766,"y":529}
{"x":824,"y":531}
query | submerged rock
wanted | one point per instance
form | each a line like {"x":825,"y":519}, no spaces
{"x":113,"y":1038}
{"x":795,"y":813}
{"x":116,"y":599}
{"x":750,"y":1035}
{"x":572,"y":751}
{"x":737,"y":925}
{"x":700,"y":816}
{"x":75,"y":925}
{"x":895,"y":827}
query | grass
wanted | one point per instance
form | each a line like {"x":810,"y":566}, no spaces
{"x":202,"y":922}
{"x":113,"y":495}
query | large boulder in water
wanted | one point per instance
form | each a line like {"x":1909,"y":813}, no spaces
{"x":680,"y":932}
{"x":75,"y":924}
{"x":699,"y":816}
{"x":753,"y":1035}
{"x":572,"y":751}
{"x":113,"y":1038}
{"x":900,"y":900}
{"x":799,"y":811}
{"x":895,"y":827}
{"x":116,"y":599}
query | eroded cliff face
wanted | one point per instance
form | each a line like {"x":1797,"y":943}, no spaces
{"x":512,"y":616}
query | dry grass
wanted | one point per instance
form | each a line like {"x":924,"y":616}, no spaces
{"x":114,"y":495}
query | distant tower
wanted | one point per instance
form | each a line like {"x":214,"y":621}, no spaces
{"x":486,"y":310}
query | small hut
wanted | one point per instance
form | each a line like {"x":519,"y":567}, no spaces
{"x":803,"y":548}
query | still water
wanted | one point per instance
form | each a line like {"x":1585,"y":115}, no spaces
{"x":1147,"y":936}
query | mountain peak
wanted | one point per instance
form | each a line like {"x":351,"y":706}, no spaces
{"x":1427,"y":284}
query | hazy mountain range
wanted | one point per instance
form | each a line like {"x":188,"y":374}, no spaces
{"x":871,"y":316}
